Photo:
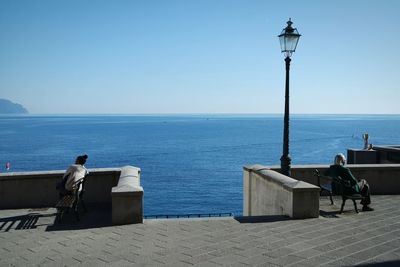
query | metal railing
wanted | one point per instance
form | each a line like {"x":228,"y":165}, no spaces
{"x":191,"y":215}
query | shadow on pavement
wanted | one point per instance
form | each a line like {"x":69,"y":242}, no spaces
{"x":22,"y":222}
{"x":329,"y":214}
{"x":332,"y":212}
{"x":261,"y":219}
{"x":383,"y":264}
{"x":277,"y":218}
{"x":96,"y":216}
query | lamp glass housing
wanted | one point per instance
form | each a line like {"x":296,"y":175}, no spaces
{"x":289,"y":38}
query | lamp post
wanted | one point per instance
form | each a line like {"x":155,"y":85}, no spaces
{"x":288,"y":38}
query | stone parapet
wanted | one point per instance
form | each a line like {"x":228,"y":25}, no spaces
{"x":384,"y":179}
{"x":267,"y":192}
{"x":38,"y":189}
{"x":117,"y":186}
{"x":127,"y":197}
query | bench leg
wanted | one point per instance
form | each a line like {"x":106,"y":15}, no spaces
{"x":60,"y":213}
{"x":343,"y":202}
{"x":355,"y":205}
{"x":330,"y":196}
{"x":76,"y":209}
{"x":83,"y":205}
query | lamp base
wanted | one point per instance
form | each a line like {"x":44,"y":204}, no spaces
{"x":285,"y":165}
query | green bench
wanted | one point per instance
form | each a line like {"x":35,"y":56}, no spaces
{"x":326,"y":184}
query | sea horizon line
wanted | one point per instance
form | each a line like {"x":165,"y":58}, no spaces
{"x":258,"y":115}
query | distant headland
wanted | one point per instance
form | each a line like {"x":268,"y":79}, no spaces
{"x":8,"y":107}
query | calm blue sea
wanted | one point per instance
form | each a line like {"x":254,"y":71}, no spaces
{"x":190,"y":163}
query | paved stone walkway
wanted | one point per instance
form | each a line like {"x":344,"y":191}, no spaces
{"x":30,"y":238}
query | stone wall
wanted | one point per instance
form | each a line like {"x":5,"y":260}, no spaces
{"x":267,"y":192}
{"x":127,"y":197}
{"x":38,"y":189}
{"x":384,"y":179}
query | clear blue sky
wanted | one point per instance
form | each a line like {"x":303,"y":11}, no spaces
{"x":203,"y":56}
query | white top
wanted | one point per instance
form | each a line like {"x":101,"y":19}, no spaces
{"x":75,"y":172}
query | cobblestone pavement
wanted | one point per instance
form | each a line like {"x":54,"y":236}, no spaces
{"x":30,"y":238}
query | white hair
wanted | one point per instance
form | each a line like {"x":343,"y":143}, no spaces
{"x":339,"y":159}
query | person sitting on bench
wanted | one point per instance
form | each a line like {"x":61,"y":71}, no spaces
{"x":357,"y":186}
{"x":74,"y":173}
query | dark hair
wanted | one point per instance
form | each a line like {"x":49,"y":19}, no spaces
{"x":81,"y":159}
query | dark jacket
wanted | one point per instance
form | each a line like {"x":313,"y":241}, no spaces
{"x":345,"y":174}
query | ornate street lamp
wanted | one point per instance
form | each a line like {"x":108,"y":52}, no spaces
{"x":288,"y":38}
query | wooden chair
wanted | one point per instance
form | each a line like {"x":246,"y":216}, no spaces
{"x":74,"y":201}
{"x":341,"y":186}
